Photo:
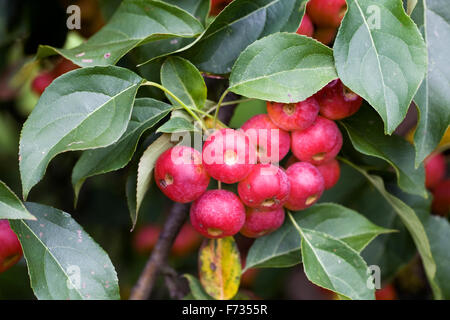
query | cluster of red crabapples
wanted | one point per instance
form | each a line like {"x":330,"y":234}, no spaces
{"x":250,"y":156}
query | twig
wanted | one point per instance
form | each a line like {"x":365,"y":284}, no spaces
{"x":177,"y":286}
{"x":175,"y":220}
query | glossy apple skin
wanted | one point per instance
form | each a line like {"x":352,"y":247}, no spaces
{"x":267,"y":137}
{"x":435,"y":167}
{"x":319,"y":143}
{"x":441,"y":198}
{"x":293,"y":116}
{"x":217,"y":214}
{"x":229,"y":155}
{"x":331,"y":171}
{"x":337,"y":101}
{"x":259,"y":223}
{"x":10,"y":248}
{"x":180,"y":175}
{"x":326,"y":13}
{"x":306,"y":27}
{"x":307,"y":186}
{"x":265,"y":188}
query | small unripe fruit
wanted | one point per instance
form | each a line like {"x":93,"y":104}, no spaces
{"x":325,"y":35}
{"x":10,"y":249}
{"x":228,"y":155}
{"x":441,"y":198}
{"x":146,"y":238}
{"x":307,"y":185}
{"x":319,"y":143}
{"x":217,"y":214}
{"x":435,"y":168}
{"x":337,"y":101}
{"x":326,"y":13}
{"x":293,"y":116}
{"x":41,"y":82}
{"x":259,"y":223}
{"x":180,"y":175}
{"x":331,"y":172}
{"x":272,"y":143}
{"x":265,"y":188}
{"x":186,"y":241}
{"x":306,"y":27}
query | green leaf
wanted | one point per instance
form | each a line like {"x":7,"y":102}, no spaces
{"x":241,"y":23}
{"x":282,"y":247}
{"x":145,"y":169}
{"x":438,"y":230}
{"x":184,"y":80}
{"x":136,"y":22}
{"x":283,"y":67}
{"x":84,"y":109}
{"x":409,"y":219}
{"x":146,"y":113}
{"x":332,"y":264}
{"x":433,"y":97}
{"x":198,"y":8}
{"x":365,"y":130}
{"x":176,"y":125}
{"x":197,"y":290}
{"x":381,"y":56}
{"x":64,"y":263}
{"x":10,"y":205}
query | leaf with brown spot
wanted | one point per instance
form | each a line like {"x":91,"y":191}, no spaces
{"x":219,"y":266}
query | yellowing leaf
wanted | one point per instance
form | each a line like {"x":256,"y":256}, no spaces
{"x":220,"y":268}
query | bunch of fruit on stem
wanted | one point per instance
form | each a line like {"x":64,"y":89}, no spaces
{"x":250,"y":156}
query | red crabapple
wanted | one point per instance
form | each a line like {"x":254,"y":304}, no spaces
{"x":217,"y":6}
{"x":325,"y":35}
{"x":435,"y":168}
{"x":180,"y":175}
{"x":186,"y":241}
{"x":229,"y":155}
{"x":330,"y":172}
{"x":146,"y":238}
{"x":306,"y":27}
{"x":272,"y":143}
{"x":10,"y":249}
{"x":265,"y":188}
{"x":293,"y":116}
{"x":307,"y":185}
{"x":41,"y":82}
{"x":259,"y":223}
{"x":386,"y":293}
{"x":319,"y":143}
{"x":441,"y":198}
{"x":326,"y":13}
{"x":217,"y":214}
{"x":337,"y":101}
{"x":63,"y":66}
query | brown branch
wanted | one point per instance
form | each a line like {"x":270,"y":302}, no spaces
{"x":178,"y":215}
{"x":177,"y":285}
